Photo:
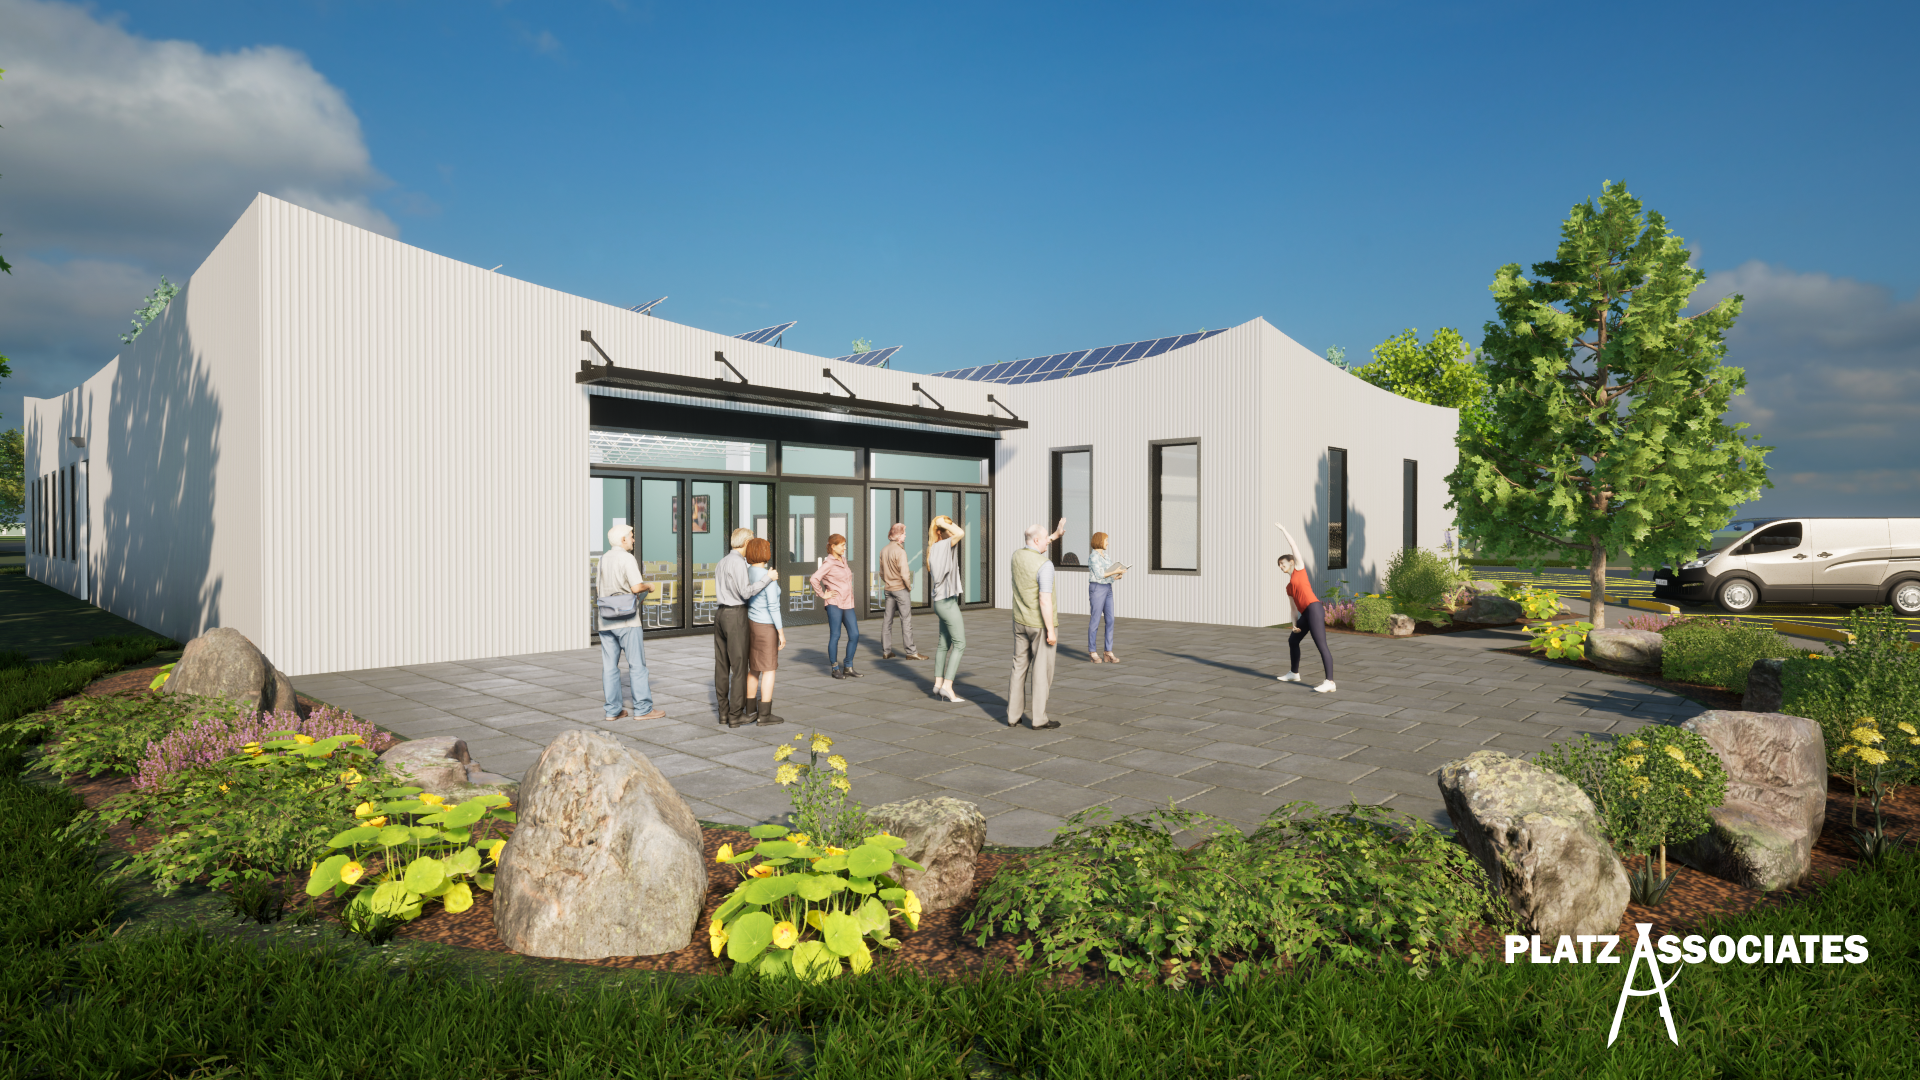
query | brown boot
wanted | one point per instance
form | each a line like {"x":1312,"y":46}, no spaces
{"x":767,"y":719}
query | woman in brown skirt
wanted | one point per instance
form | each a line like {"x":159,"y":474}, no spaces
{"x":766,"y":635}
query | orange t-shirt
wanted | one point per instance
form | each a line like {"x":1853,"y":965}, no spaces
{"x":1300,"y":591}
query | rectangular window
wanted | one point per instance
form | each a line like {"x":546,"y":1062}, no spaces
{"x":662,"y":450}
{"x":1176,"y":505}
{"x":1410,"y":503}
{"x":880,"y":519}
{"x":1072,"y":500}
{"x":800,"y":459}
{"x":1336,"y":508}
{"x":973,"y":551}
{"x":928,"y":468}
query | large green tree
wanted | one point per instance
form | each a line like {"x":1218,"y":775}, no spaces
{"x":1607,"y":405}
{"x":1441,"y":372}
{"x":13,"y":477}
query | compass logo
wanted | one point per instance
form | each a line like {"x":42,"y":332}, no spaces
{"x":1693,"y":949}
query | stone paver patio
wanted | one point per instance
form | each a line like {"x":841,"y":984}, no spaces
{"x":1193,"y":714}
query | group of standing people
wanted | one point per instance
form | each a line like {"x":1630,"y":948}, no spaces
{"x":749,"y":633}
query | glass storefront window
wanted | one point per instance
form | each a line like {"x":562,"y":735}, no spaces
{"x":707,"y":534}
{"x":803,"y":460}
{"x":928,"y":468}
{"x":974,"y":548}
{"x":663,"y":450}
{"x":606,"y":507}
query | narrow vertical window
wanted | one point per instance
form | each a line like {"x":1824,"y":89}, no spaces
{"x":1072,"y":500}
{"x":1176,"y":505}
{"x":1336,"y":508}
{"x":1410,"y":503}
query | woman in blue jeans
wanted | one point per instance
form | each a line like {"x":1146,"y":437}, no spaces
{"x":943,"y":565}
{"x":1102,"y":574}
{"x":833,"y":583}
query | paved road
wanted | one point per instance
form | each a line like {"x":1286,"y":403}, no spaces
{"x":1193,"y":715}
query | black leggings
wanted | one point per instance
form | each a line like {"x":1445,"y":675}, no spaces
{"x":1311,"y":621}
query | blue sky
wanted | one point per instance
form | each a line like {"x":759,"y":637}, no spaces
{"x":981,"y":182}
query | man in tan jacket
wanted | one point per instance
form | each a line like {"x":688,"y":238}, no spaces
{"x":897,"y":576}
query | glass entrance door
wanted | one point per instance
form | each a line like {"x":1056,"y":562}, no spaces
{"x":808,"y":515}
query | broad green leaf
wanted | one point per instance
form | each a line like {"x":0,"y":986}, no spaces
{"x":893,"y":896}
{"x":465,"y":814}
{"x":728,"y":906}
{"x":464,"y":861}
{"x":861,"y":958}
{"x":749,"y":935}
{"x":326,"y":875}
{"x":766,"y":890}
{"x":831,"y":864}
{"x":817,"y":887}
{"x":860,"y":885}
{"x":817,"y":919}
{"x":458,"y":836}
{"x":394,"y":836}
{"x":425,"y":832}
{"x":872,"y":916}
{"x":353,"y":836}
{"x":767,"y":832}
{"x":485,"y":881}
{"x":401,"y":792}
{"x":891,"y":843}
{"x":906,"y":862}
{"x":868,"y":859}
{"x":813,"y":962}
{"x":507,"y":816}
{"x":424,"y":874}
{"x":776,"y":849}
{"x":457,"y":899}
{"x":841,"y":932}
{"x":495,"y":799}
{"x":394,"y":900}
{"x":774,"y":963}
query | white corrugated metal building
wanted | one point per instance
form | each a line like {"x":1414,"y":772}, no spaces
{"x":362,"y":454}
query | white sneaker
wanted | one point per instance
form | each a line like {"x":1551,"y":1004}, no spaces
{"x":1324,"y":688}
{"x":1291,"y":676}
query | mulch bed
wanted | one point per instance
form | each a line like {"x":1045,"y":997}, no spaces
{"x":940,"y":947}
{"x":1713,"y":697}
{"x":1421,"y":629}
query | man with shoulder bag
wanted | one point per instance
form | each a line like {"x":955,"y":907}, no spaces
{"x":618,"y":589}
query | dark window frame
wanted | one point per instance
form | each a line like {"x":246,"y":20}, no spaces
{"x":1409,"y":503}
{"x":1337,"y":515}
{"x":1055,"y":501}
{"x":1154,"y":448}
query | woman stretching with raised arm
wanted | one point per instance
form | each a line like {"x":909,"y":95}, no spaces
{"x":1309,"y":615}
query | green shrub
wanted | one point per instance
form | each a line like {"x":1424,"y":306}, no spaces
{"x":50,"y":891}
{"x":1341,"y":883}
{"x":1370,"y":614}
{"x":820,"y":793}
{"x":108,"y":734}
{"x":1650,"y":788}
{"x":1878,"y":675}
{"x":120,"y":650}
{"x":1715,"y":653}
{"x":1421,"y":584}
{"x":31,"y":688}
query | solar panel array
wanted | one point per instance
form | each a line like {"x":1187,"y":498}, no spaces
{"x":647,"y":308}
{"x":766,"y":334}
{"x":872,"y":357}
{"x":1084,"y":362}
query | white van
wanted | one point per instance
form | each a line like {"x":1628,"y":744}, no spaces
{"x":1804,"y":561}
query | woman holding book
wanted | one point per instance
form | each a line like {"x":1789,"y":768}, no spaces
{"x":1102,"y":573}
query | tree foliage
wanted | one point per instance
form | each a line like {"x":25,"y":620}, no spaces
{"x":13,"y":477}
{"x":1606,"y":404}
{"x":1440,"y":372}
{"x":151,"y":308}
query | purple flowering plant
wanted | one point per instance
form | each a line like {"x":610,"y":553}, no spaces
{"x":214,"y":739}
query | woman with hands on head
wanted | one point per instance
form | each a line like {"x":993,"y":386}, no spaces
{"x":1309,"y":616}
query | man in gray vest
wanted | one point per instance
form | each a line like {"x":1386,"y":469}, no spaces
{"x":730,"y":630}
{"x":1033,"y":626}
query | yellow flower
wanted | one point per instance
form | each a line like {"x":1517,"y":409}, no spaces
{"x":725,"y":854}
{"x":223,"y":787}
{"x":377,"y":823}
{"x":717,"y":937}
{"x":365,"y":809}
{"x":831,"y":850}
{"x":783,"y":752}
{"x":351,"y":777}
{"x":785,"y":936}
{"x":493,"y":849}
{"x":909,"y":909}
{"x":762,"y":870}
{"x":1908,"y":728}
{"x":304,"y":740}
{"x":1633,"y":762}
{"x":1636,"y":744}
{"x":352,"y":872}
{"x":356,"y":739}
{"x":251,"y":748}
{"x":787,"y":774}
{"x":840,"y":783}
{"x":838,"y":762}
{"x":1873,"y":757}
{"x":431,"y":799}
{"x":798,"y":838}
{"x":1674,"y":753}
{"x":821,"y":744}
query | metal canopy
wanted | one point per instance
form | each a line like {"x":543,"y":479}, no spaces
{"x":730,"y":389}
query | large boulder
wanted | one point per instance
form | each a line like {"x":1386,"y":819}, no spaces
{"x":1491,"y":609}
{"x":1764,"y":689}
{"x":1538,"y":838}
{"x":223,"y":663}
{"x":1763,"y":835}
{"x":945,"y":836}
{"x":1400,"y":625}
{"x":444,"y":767}
{"x":606,"y":859}
{"x":1625,"y":651}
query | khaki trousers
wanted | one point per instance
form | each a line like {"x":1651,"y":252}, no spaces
{"x":1030,"y":653}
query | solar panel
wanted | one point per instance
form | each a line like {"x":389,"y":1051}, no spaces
{"x":870,"y":358}
{"x":766,"y":334}
{"x":645,"y":309}
{"x":1084,"y":362}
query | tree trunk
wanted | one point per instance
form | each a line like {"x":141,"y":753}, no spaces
{"x":1597,"y":582}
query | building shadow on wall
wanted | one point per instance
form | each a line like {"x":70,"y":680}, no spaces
{"x":1317,"y":538}
{"x":153,"y":548}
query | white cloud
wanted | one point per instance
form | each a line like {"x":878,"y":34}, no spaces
{"x":150,"y":149}
{"x":1833,"y":381}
